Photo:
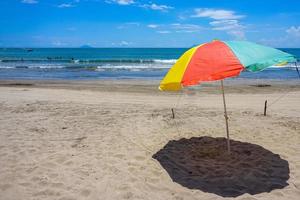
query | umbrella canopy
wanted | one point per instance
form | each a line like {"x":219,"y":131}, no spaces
{"x":218,"y":60}
{"x":221,"y":59}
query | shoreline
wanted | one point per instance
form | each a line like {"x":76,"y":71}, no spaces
{"x":151,"y":86}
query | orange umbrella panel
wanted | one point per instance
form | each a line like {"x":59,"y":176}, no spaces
{"x":210,"y":62}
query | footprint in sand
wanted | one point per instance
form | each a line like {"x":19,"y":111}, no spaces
{"x":4,"y":187}
{"x":131,"y":169}
{"x":248,"y":198}
{"x":139,"y":158}
{"x":78,"y":141}
{"x":156,"y":173}
{"x":69,"y":163}
{"x":178,"y":198}
{"x":47,"y":193}
{"x":32,"y":169}
{"x":128,"y":195}
{"x":67,"y":198}
{"x":49,"y":165}
{"x":2,"y":155}
{"x":278,"y":194}
{"x":61,"y":159}
{"x":120,"y":156}
{"x":53,"y":175}
{"x":85,"y":192}
{"x":32,"y":150}
{"x":153,"y":180}
{"x":25,"y":184}
{"x":57,"y":185}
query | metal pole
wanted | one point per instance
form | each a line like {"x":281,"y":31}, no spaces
{"x":226,"y":117}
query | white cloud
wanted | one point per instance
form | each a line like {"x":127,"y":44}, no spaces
{"x":133,"y":23}
{"x":223,"y":20}
{"x":124,"y":43}
{"x":216,"y":14}
{"x":290,"y":38}
{"x":58,"y":43}
{"x":294,"y":31}
{"x":226,"y":24}
{"x":186,"y":28}
{"x":163,"y":32}
{"x":237,"y":34}
{"x":231,"y":26}
{"x":65,"y":5}
{"x":152,"y":26}
{"x":30,"y":1}
{"x":150,"y":5}
{"x":154,"y":6}
{"x":121,"y":44}
{"x":128,"y":25}
{"x":175,"y":27}
{"x":121,"y":2}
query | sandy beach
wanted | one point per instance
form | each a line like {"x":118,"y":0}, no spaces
{"x":72,"y":140}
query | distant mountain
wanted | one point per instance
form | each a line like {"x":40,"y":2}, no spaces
{"x":86,"y":46}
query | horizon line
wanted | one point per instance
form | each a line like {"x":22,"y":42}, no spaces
{"x":45,"y":47}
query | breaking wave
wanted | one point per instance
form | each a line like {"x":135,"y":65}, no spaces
{"x":63,"y":60}
{"x":99,"y":64}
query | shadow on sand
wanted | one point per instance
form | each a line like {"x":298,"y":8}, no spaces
{"x":203,"y":163}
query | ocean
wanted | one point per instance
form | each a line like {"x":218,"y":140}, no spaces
{"x":108,"y":63}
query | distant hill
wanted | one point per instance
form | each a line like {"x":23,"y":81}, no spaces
{"x":86,"y":46}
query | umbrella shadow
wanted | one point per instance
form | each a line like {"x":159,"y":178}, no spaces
{"x":203,"y":163}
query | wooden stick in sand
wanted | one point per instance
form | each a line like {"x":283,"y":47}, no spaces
{"x":265,"y":109}
{"x":226,"y":117}
{"x":173,"y":114}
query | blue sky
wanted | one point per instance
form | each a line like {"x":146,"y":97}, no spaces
{"x":143,"y":23}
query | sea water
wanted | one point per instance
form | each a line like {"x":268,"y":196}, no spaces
{"x":108,"y":63}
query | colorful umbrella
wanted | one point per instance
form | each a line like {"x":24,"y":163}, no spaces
{"x":218,"y":60}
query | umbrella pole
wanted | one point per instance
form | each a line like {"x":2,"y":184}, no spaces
{"x":226,"y":117}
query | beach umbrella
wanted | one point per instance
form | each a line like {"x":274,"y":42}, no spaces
{"x":218,"y":60}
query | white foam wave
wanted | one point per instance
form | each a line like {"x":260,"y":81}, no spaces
{"x":31,"y":66}
{"x":289,"y":65}
{"x":165,"y":61}
{"x":132,"y":67}
{"x":76,"y":61}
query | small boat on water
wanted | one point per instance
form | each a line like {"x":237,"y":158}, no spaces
{"x":29,"y":50}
